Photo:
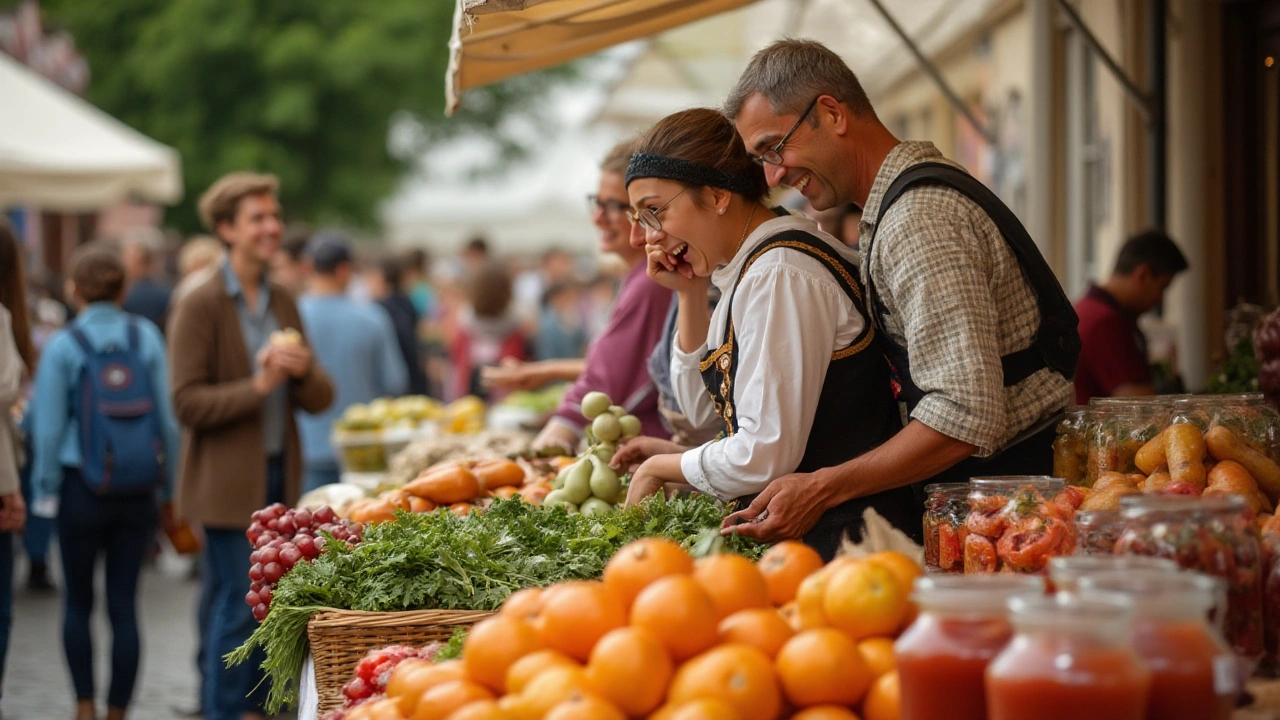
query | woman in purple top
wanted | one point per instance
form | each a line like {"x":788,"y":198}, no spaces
{"x":617,"y":360}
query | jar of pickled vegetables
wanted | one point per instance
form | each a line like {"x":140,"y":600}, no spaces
{"x":1070,"y":447}
{"x":946,"y":506}
{"x":1098,"y":531}
{"x":943,"y":656}
{"x":1116,"y":431}
{"x":1065,"y":572}
{"x":1016,"y":523}
{"x":1071,"y":657}
{"x":1194,"y":674}
{"x":1216,"y":536}
{"x":1248,"y":415}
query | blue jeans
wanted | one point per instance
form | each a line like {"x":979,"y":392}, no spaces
{"x":122,"y":529}
{"x":231,"y":691}
{"x":317,"y":474}
{"x":6,"y":598}
{"x":39,"y":530}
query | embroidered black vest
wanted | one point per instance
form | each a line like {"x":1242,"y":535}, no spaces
{"x":856,"y":409}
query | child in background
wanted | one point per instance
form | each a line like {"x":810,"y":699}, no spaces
{"x":487,"y":332}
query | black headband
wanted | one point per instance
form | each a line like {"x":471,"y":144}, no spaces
{"x":644,"y":165}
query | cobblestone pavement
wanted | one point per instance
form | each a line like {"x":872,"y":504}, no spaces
{"x":37,"y":685}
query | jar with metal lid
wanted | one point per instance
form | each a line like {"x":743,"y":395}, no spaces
{"x":1071,"y":657}
{"x":1116,"y":432}
{"x":1194,"y":673}
{"x":1216,"y":536}
{"x":946,"y":506}
{"x":1016,"y":523}
{"x":1070,"y":447}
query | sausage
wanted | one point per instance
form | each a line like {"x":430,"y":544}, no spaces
{"x":1150,"y":457}
{"x":1223,"y":445}
{"x":1184,"y":448}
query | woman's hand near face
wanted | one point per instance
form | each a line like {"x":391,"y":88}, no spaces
{"x":672,"y":274}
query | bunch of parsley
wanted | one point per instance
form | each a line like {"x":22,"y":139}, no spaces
{"x":442,"y":561}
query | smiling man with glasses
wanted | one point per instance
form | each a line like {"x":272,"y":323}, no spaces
{"x":983,"y":339}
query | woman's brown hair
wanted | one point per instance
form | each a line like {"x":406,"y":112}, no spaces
{"x":13,"y":295}
{"x":706,"y":137}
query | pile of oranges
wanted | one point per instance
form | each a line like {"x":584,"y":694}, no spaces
{"x":667,"y":638}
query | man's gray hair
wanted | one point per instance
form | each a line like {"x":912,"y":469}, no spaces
{"x":790,"y":73}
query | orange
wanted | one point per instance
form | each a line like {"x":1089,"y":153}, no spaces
{"x":877,"y":652}
{"x":864,"y":599}
{"x":762,"y":628}
{"x":443,"y":700}
{"x":413,"y":677}
{"x":493,"y":645}
{"x":704,"y":709}
{"x":903,"y":568}
{"x":884,"y":700}
{"x":732,"y":582}
{"x":386,"y":709}
{"x":527,"y":667}
{"x":824,"y":712}
{"x":523,"y":604}
{"x":679,"y":613}
{"x":585,"y":707}
{"x":784,"y":566}
{"x":548,"y":689}
{"x":480,"y":710}
{"x":462,"y":508}
{"x":639,"y":563}
{"x":630,"y":668}
{"x":809,"y":612}
{"x":575,"y":616}
{"x":738,"y":674}
{"x":822,"y":667}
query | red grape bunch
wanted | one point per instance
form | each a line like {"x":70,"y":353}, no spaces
{"x":374,"y":671}
{"x":282,"y":538}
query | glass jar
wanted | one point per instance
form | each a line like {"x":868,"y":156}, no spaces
{"x":1193,"y":671}
{"x":1071,"y":657}
{"x":1070,"y":447}
{"x":1271,"y":604}
{"x":1215,"y":536}
{"x":1098,"y":531}
{"x":1016,"y":523}
{"x":1116,"y":431}
{"x":962,"y":626}
{"x":1065,"y":572}
{"x":946,"y":506}
{"x":1249,"y":415}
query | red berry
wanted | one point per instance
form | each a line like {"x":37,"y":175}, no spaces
{"x":255,"y":572}
{"x":272,"y":571}
{"x":260,"y":612}
{"x":307,"y":546}
{"x":289,"y":556}
{"x":265,"y":595}
{"x":302,"y":518}
{"x":324,"y":515}
{"x":268,"y":555}
{"x":252,"y":598}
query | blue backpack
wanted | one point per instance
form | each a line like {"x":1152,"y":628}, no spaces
{"x":121,"y":442}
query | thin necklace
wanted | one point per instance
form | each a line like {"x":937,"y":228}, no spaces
{"x":744,"y":229}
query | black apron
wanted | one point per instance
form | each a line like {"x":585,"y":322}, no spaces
{"x":856,"y":411}
{"x":1056,"y":345}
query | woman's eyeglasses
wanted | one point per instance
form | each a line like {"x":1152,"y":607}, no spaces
{"x":611,"y":208}
{"x":648,"y":217}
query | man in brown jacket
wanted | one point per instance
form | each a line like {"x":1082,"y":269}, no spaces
{"x":237,"y":380}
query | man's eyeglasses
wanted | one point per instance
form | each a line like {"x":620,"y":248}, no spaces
{"x":611,"y":208}
{"x":648,"y":217}
{"x":773,"y":156}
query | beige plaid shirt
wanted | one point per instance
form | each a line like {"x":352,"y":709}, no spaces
{"x":957,"y":300}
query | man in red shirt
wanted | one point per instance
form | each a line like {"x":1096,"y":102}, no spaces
{"x":1113,"y":355}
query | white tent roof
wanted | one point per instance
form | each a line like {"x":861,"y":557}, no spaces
{"x":59,"y":152}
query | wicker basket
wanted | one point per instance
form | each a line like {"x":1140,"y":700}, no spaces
{"x":340,"y":638}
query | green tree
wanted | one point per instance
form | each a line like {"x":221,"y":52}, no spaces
{"x":305,"y":89}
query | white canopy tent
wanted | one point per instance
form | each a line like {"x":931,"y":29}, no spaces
{"x":60,"y":153}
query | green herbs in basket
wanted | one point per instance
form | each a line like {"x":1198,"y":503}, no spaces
{"x":442,"y":561}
